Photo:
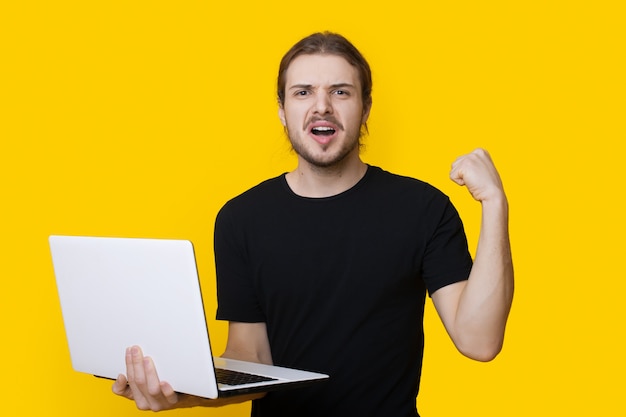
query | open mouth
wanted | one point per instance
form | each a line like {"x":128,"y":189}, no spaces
{"x":323,"y":131}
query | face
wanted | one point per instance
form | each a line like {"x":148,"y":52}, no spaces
{"x":323,"y":109}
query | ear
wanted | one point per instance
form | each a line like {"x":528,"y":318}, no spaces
{"x":366,"y":112}
{"x":281,"y":116}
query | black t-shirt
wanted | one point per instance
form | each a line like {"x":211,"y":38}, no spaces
{"x":341,"y":283}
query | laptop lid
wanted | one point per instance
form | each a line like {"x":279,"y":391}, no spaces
{"x":120,"y":292}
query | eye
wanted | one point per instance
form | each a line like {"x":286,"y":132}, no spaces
{"x":341,"y":92}
{"x":301,"y":93}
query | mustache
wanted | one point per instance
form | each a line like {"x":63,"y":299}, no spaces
{"x":329,"y":119}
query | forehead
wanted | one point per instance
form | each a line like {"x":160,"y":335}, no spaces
{"x":321,"y":70}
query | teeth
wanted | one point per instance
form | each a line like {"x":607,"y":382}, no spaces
{"x":323,"y":128}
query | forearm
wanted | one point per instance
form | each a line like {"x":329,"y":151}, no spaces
{"x":246,"y":341}
{"x":485,"y":302}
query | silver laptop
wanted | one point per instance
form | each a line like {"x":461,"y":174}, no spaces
{"x":120,"y":292}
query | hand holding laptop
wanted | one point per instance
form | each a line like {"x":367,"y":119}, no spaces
{"x":142,"y":385}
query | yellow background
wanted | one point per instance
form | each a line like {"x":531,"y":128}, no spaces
{"x":141,"y":118}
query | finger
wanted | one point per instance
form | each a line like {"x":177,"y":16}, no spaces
{"x":149,"y":384}
{"x":170,"y":395}
{"x":135,"y":375}
{"x":129,"y":366}
{"x":153,"y":385}
{"x":468,"y":163}
{"x":477,"y":172}
{"x":120,"y":387}
{"x":159,"y":391}
{"x":456,"y":174}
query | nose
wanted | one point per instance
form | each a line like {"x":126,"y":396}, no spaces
{"x":323,"y":104}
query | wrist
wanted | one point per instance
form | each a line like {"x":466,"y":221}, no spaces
{"x":495,"y":206}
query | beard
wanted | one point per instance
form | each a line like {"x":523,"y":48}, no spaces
{"x":328,"y":157}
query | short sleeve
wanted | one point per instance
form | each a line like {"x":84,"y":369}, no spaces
{"x":236,"y":295}
{"x":446,"y":259}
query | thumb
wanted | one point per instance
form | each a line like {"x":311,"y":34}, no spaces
{"x":120,"y":387}
{"x":456,"y":174}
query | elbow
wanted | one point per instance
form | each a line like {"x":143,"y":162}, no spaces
{"x":482,"y":343}
{"x":481,"y":351}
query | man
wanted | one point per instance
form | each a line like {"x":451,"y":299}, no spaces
{"x":326,"y":268}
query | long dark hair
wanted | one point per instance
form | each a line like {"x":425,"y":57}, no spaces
{"x":332,"y":44}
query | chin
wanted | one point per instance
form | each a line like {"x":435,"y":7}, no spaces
{"x":326,"y":161}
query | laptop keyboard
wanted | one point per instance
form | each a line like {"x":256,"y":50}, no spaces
{"x":229,"y":377}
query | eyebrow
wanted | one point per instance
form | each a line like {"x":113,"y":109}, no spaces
{"x":307,"y":86}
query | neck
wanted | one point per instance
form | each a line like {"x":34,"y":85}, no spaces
{"x":317,"y":182}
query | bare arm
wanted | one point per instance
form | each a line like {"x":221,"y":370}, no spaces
{"x":474,"y":312}
{"x":246,"y":341}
